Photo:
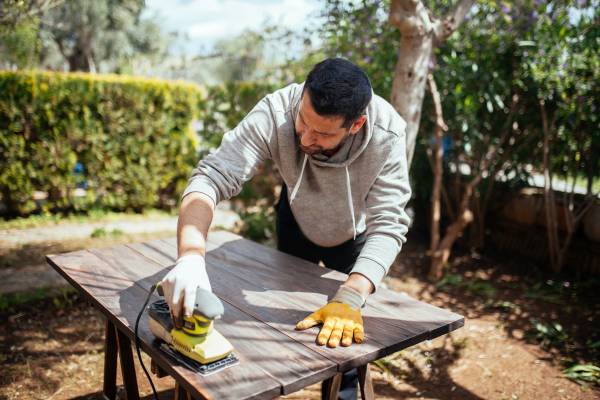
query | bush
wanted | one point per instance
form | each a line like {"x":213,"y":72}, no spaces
{"x":225,"y":106}
{"x":127,"y":140}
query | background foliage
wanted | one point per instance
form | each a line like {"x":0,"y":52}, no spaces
{"x":525,"y":50}
{"x":79,"y":35}
{"x":529,"y":49}
{"x":128,"y":141}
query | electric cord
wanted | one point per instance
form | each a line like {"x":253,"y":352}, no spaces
{"x":137,"y":341}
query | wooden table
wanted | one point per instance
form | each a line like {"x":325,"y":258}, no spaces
{"x":265,"y":293}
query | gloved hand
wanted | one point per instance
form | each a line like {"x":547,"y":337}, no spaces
{"x":179,"y":285}
{"x":340,"y":317}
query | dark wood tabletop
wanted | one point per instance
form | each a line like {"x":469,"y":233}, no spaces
{"x":265,"y":293}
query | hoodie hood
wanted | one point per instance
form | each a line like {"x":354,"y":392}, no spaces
{"x":352,"y":147}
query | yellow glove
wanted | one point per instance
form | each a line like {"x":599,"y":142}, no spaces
{"x":340,"y":317}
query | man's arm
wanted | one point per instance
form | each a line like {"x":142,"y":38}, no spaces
{"x":195,"y":216}
{"x":360,"y":283}
{"x":387,"y":223}
{"x":180,"y":283}
{"x":218,"y":176}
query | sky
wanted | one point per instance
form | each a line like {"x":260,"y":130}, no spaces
{"x":207,"y":21}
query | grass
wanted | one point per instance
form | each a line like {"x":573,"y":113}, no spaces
{"x":477,"y":287}
{"x":583,"y":374}
{"x":548,"y":335}
{"x":101,"y":232}
{"x":502,"y":305}
{"x":94,"y":215}
{"x":549,"y":291}
{"x":61,"y":298}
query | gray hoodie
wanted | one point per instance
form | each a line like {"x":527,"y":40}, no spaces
{"x":363,"y":187}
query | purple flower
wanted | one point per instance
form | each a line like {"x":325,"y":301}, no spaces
{"x":505,"y":9}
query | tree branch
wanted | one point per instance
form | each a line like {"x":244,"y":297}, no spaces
{"x":491,"y":154}
{"x":411,"y":17}
{"x":451,"y":21}
{"x":445,"y":197}
{"x":15,"y":11}
{"x":61,"y":47}
{"x":440,"y":127}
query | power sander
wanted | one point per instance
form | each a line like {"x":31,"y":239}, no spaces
{"x":197,"y":338}
{"x":197,"y":345}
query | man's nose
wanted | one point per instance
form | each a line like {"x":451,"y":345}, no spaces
{"x":307,"y":139}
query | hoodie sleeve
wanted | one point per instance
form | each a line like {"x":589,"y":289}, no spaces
{"x":387,"y":221}
{"x":221,"y":174}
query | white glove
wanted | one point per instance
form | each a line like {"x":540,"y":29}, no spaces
{"x":179,"y":285}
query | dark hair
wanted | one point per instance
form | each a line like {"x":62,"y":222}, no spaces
{"x":338,"y":88}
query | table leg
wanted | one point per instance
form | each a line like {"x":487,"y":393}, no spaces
{"x":181,"y":393}
{"x":127,"y":366}
{"x":365,"y":383}
{"x":333,"y":386}
{"x":110,"y":362}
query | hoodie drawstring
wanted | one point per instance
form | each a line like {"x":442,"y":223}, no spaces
{"x":299,"y":181}
{"x":350,"y":203}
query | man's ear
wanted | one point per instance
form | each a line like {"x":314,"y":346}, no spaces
{"x":356,"y":125}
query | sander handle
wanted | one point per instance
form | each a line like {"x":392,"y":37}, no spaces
{"x":207,"y":304}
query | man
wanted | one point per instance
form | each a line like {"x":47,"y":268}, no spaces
{"x":341,"y":153}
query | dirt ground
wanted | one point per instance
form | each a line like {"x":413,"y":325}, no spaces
{"x":53,"y":348}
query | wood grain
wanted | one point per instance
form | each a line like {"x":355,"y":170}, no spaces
{"x":289,"y":362}
{"x":393,"y":321}
{"x":120,"y":299}
{"x":265,"y":293}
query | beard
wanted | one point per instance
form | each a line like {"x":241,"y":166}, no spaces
{"x":315,"y":150}
{"x":311,"y":150}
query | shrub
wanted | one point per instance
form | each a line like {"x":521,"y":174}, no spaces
{"x":127,"y":140}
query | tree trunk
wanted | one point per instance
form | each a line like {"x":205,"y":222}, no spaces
{"x":440,"y":256}
{"x":549,"y":200}
{"x":412,"y":67}
{"x":79,"y":62}
{"x":440,"y":126}
{"x":420,"y":31}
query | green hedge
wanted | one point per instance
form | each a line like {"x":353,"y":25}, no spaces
{"x":225,"y":106}
{"x":132,"y":136}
